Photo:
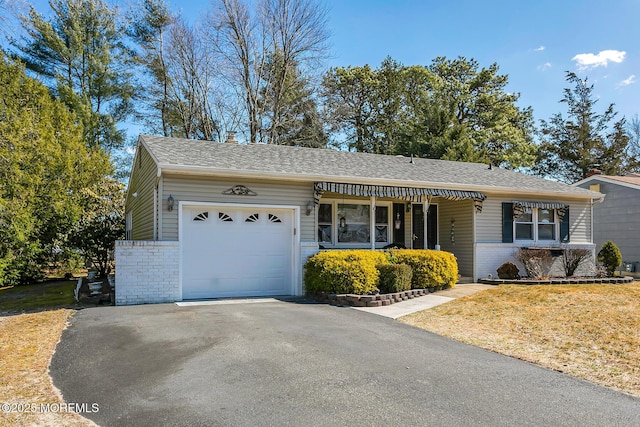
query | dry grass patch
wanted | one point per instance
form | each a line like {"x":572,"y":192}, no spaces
{"x":28,"y":342}
{"x":588,"y":331}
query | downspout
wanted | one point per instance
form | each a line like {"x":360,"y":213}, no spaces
{"x":593,"y":203}
{"x":475,"y":242}
{"x":157,"y":206}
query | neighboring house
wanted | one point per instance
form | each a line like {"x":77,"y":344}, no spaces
{"x":618,"y":217}
{"x":207,"y":220}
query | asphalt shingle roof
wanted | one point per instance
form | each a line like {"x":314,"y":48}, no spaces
{"x":340,"y":166}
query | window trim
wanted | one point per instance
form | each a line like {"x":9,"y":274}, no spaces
{"x":334,"y":244}
{"x":535,"y":223}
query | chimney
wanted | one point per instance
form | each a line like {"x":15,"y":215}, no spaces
{"x":231,"y":138}
{"x":593,"y":171}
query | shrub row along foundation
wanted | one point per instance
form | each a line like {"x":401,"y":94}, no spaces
{"x":379,"y":300}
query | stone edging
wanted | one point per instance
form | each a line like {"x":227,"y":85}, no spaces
{"x":560,"y":281}
{"x":379,"y":300}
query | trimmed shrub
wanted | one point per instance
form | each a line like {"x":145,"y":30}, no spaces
{"x":508,"y":271}
{"x":610,"y":257}
{"x":343,"y":271}
{"x":394,"y":278}
{"x":431,"y":269}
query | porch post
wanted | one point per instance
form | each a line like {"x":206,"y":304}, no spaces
{"x":372,"y":223}
{"x":425,"y":244}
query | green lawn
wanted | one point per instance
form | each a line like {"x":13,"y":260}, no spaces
{"x":37,"y":297}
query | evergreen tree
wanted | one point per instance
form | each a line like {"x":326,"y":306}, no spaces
{"x":585,"y":139}
{"x":484,"y":123}
{"x":450,"y":110}
{"x":44,"y":167}
{"x":296,"y":121}
{"x":150,"y":23}
{"x":81,"y":55}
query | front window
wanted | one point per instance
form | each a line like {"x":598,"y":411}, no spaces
{"x":546,"y":224}
{"x":325,"y":223}
{"x":349,"y":224}
{"x":524,"y":226}
{"x":354,"y":223}
{"x":536,"y":224}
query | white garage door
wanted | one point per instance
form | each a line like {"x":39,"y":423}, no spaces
{"x":231,"y":251}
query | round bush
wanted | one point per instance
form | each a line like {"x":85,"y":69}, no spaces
{"x":431,"y":269}
{"x":509,"y":271}
{"x":610,"y":257}
{"x":394,"y":278}
{"x":343,"y":271}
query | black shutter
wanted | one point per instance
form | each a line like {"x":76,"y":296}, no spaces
{"x":564,"y":227}
{"x":507,"y":223}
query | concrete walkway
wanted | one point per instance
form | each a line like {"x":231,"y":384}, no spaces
{"x":425,"y":302}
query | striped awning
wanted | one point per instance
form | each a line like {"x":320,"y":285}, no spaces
{"x":521,"y":206}
{"x":409,"y":194}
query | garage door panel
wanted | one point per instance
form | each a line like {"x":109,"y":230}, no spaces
{"x":236,"y":252}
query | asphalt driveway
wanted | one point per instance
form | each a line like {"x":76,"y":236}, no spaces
{"x":288,"y":363}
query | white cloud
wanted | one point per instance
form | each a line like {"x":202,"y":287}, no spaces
{"x":586,"y":61}
{"x":545,"y":66}
{"x":629,"y":81}
{"x":130,"y":150}
{"x":539,"y":49}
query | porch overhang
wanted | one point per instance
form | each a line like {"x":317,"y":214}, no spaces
{"x":408,"y":194}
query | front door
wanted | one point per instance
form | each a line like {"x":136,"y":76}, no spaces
{"x":417,"y":221}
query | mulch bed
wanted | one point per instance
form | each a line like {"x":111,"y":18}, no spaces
{"x":559,"y":281}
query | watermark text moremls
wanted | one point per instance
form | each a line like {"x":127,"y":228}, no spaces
{"x":64,"y":407}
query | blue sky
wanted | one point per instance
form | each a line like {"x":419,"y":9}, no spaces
{"x":533,"y":42}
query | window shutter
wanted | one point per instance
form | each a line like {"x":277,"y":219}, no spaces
{"x":564,"y":227}
{"x":507,"y":223}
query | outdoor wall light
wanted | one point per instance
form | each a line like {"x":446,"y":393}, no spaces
{"x":343,"y":222}
{"x":397,"y":222}
{"x":408,"y":207}
{"x":170,"y":203}
{"x":309,"y":207}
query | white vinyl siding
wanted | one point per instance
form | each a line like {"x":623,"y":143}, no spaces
{"x":489,"y":221}
{"x":461,"y":243}
{"x":205,"y":189}
{"x":142,"y":184}
{"x":580,"y":222}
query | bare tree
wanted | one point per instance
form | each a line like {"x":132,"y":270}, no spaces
{"x":294,"y":31}
{"x":190,"y":67}
{"x":299,"y":32}
{"x":633,"y":132}
{"x":235,"y":34}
